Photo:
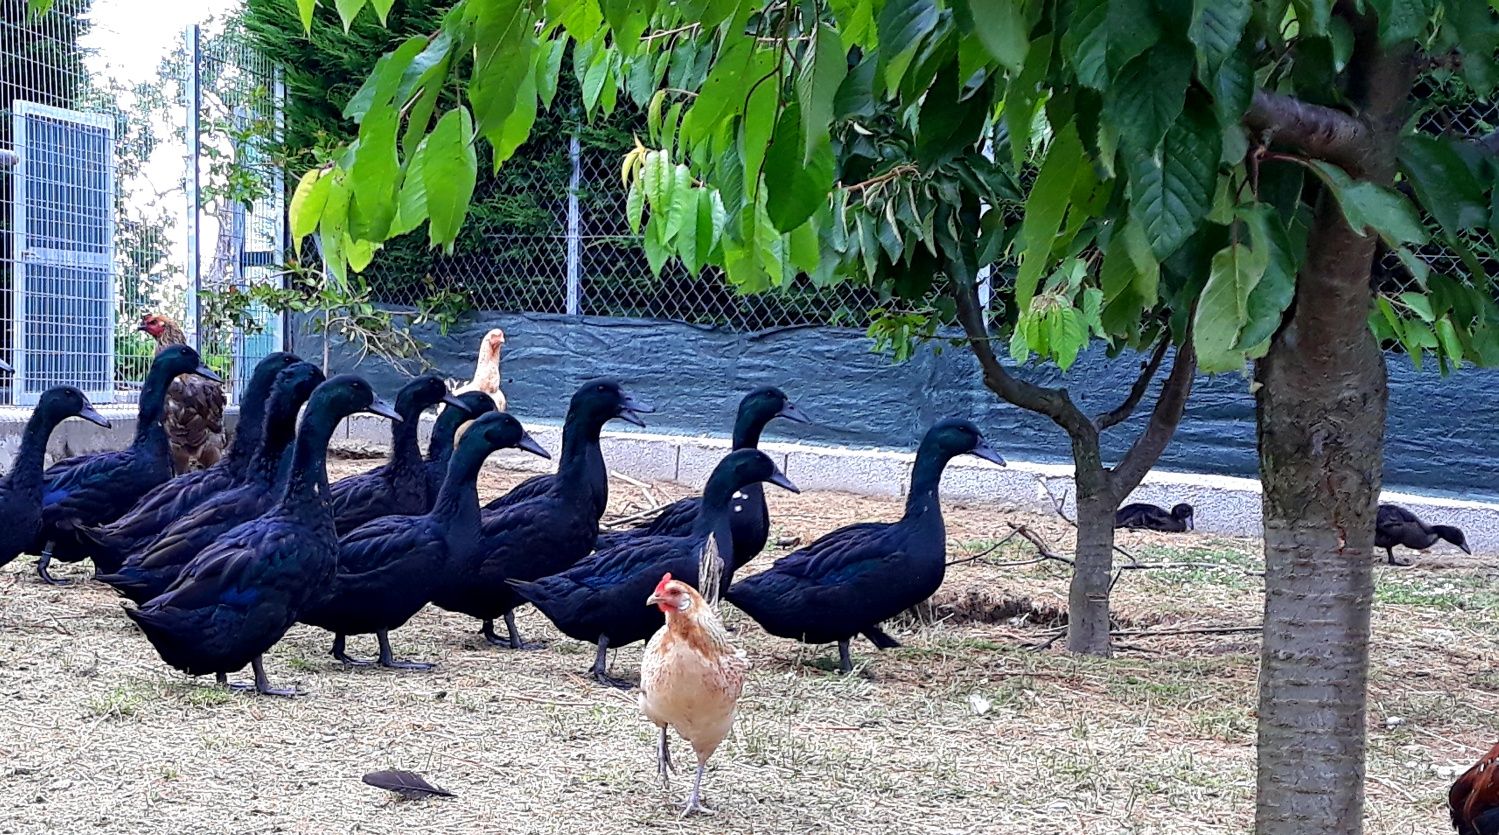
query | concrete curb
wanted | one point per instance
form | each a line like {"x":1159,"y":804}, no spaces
{"x":1223,"y":505}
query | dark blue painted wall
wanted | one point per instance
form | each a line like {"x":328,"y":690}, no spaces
{"x":1440,"y":439}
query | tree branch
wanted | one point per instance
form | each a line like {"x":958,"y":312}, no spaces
{"x":1122,"y":412}
{"x":1311,"y":130}
{"x":1055,"y":403}
{"x":1169,"y":405}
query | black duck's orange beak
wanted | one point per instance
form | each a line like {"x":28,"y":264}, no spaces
{"x":529,"y":444}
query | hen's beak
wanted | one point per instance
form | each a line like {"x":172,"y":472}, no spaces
{"x":142,"y":329}
{"x":631,"y":409}
{"x":780,"y":480}
{"x":207,"y":373}
{"x":653,"y":600}
{"x":383,"y":409}
{"x":793,"y":413}
{"x":88,"y":414}
{"x":529,"y":444}
{"x":456,"y":403}
{"x":986,"y":452}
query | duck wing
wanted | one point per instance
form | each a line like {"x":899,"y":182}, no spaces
{"x":1394,"y":525}
{"x":533,"y":487}
{"x":676,"y":519}
{"x":361,"y":498}
{"x":378,"y":543}
{"x":835,"y":556}
{"x":96,"y":490}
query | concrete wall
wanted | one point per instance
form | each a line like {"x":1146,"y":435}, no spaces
{"x":77,"y":437}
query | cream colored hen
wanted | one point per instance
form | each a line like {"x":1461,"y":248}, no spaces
{"x":487,"y":369}
{"x":691,"y":675}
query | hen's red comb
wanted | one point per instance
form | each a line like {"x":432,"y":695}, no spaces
{"x":661,"y":586}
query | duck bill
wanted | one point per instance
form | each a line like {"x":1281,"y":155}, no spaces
{"x":88,"y":414}
{"x":793,"y":413}
{"x":207,"y":373}
{"x":383,"y":409}
{"x":986,"y":452}
{"x":1191,"y":525}
{"x":631,"y":410}
{"x":456,"y":403}
{"x":529,"y":444}
{"x":1466,"y":549}
{"x":780,"y":480}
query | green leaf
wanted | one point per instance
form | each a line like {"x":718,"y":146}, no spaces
{"x":334,"y":222}
{"x":727,"y":79}
{"x":1451,"y":345}
{"x":1217,"y":26}
{"x":1170,"y":192}
{"x":1368,"y":205}
{"x":945,"y":125}
{"x":686,"y":233}
{"x":682,"y":212}
{"x":411,"y":205}
{"x":307,"y":203}
{"x":1272,"y":296}
{"x":817,"y":85}
{"x":1044,"y":209}
{"x":628,"y":19}
{"x":347,"y":10}
{"x":795,"y":187}
{"x":450,"y":171}
{"x":517,"y":126}
{"x":856,"y":98}
{"x":548,"y":70}
{"x":1002,"y":28}
{"x":1233,"y":88}
{"x":1021,"y":98}
{"x":1313,"y":15}
{"x":1448,"y":187}
{"x":656,"y":248}
{"x":382,"y":8}
{"x":756,"y":127}
{"x":1085,"y":42}
{"x":360,"y":253}
{"x":593,"y":78}
{"x":634,"y":206}
{"x":385,"y":81}
{"x":304,"y":11}
{"x":1420,"y":305}
{"x":374,"y":173}
{"x":1401,"y":21}
{"x":1147,"y":97}
{"x":502,"y":60}
{"x":1223,"y":310}
{"x":803,"y":249}
{"x":902,"y":26}
{"x":656,"y":178}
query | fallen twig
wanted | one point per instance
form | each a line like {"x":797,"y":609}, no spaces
{"x":1058,"y":503}
{"x":991,"y":549}
{"x":1042,"y":547}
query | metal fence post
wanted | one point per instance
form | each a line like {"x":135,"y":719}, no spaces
{"x":574,"y":240}
{"x":194,"y":153}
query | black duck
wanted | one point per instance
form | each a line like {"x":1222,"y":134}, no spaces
{"x":21,"y":489}
{"x":1394,"y":525}
{"x":1148,"y":517}
{"x":849,"y":581}
{"x":238,"y":597}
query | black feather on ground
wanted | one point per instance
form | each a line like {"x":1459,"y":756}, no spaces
{"x":407,"y":784}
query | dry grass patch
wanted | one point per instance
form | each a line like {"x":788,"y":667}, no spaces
{"x":961,"y":730}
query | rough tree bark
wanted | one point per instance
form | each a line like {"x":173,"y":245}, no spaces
{"x":1100,"y":489}
{"x":1321,"y":410}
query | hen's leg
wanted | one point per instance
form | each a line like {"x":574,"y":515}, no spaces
{"x":341,"y":655}
{"x":600,"y":669}
{"x":663,"y":760}
{"x":845,"y":663}
{"x":695,"y":800}
{"x":388,"y":658}
{"x":41,"y":568}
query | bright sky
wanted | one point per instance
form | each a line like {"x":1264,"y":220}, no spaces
{"x":131,"y":36}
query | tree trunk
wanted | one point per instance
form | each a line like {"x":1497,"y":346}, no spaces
{"x":1088,"y":599}
{"x":1321,"y":410}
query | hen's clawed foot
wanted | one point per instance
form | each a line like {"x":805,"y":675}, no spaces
{"x":663,"y":761}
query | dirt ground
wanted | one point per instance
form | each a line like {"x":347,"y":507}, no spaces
{"x":965,"y":729}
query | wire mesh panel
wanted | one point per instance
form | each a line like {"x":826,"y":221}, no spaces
{"x":63,"y":239}
{"x":237,"y":197}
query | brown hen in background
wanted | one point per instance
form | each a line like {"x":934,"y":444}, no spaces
{"x":195,"y":405}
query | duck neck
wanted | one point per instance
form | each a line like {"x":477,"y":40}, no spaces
{"x":747,"y":429}
{"x":153,"y":404}
{"x":458,"y":499}
{"x":307,"y":486}
{"x":280,"y":427}
{"x":718,"y":495}
{"x":405,"y":453}
{"x":249,"y":430}
{"x":440,"y":445}
{"x":27,"y":470}
{"x":582,"y":462}
{"x":926,"y":478}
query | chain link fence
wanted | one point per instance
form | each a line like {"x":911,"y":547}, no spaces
{"x":109,"y":183}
